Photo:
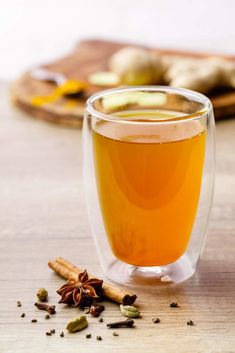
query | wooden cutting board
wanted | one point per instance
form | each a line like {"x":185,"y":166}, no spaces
{"x":90,"y":56}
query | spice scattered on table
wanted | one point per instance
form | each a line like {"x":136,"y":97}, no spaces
{"x":42,"y":294}
{"x":18,"y":303}
{"x":125,"y":323}
{"x":156,"y":320}
{"x":80,"y":292}
{"x":68,"y":270}
{"x":129,"y":310}
{"x":49,"y":308}
{"x":77,"y":324}
{"x":129,"y":299}
{"x":96,"y":310}
{"x":83,"y":291}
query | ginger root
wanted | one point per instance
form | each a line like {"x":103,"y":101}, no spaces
{"x":195,"y":74}
{"x":200,"y":74}
{"x":227,"y":69}
{"x":136,"y":66}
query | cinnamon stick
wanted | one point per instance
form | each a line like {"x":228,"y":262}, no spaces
{"x":69,"y":271}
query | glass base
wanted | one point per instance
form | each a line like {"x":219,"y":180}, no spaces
{"x":130,"y":275}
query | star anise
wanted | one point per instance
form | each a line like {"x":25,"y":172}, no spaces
{"x":81,"y":292}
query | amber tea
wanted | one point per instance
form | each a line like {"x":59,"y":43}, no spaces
{"x":148,"y":185}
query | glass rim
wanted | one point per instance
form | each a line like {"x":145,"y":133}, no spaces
{"x":199,"y":97}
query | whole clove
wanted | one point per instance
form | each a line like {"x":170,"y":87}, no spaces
{"x":129,"y":299}
{"x":22,"y":315}
{"x":48,"y":333}
{"x":125,"y":323}
{"x":96,"y":310}
{"x":190,"y":323}
{"x":98,"y":338}
{"x":62,"y":334}
{"x":49,"y":308}
{"x":34,"y":320}
{"x":88,"y":335}
{"x":53,"y":331}
{"x":174,"y":305}
{"x":47,"y":316}
{"x":18,"y":303}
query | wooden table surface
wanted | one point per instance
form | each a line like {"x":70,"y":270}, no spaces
{"x":42,"y":215}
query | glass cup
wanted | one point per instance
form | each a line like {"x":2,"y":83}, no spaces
{"x":148,"y":159}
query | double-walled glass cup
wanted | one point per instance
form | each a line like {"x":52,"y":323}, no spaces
{"x":148,"y":174}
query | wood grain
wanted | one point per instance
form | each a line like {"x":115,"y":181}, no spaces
{"x":90,"y":56}
{"x":42,"y":215}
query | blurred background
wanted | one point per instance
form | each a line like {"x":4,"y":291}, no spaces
{"x":33,"y":32}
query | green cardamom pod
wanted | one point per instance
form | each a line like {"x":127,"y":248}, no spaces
{"x":129,"y":310}
{"x":77,"y":324}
